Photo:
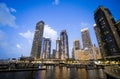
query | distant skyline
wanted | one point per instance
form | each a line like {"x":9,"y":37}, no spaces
{"x":18,"y":22}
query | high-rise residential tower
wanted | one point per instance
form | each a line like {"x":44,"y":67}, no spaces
{"x":76,"y":45}
{"x":37,"y":41}
{"x":86,"y":38}
{"x":42,"y":48}
{"x":57,"y":55}
{"x":46,"y":48}
{"x":118,"y":26}
{"x":54,"y":54}
{"x":64,"y":45}
{"x":107,"y":35}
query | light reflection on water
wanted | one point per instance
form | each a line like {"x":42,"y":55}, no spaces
{"x":55,"y":73}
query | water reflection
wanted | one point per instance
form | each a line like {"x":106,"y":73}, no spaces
{"x":17,"y":75}
{"x":55,"y":73}
{"x":70,"y":73}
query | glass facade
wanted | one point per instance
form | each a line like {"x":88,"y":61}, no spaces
{"x":37,"y":41}
{"x":86,"y":38}
{"x":64,"y":45}
{"x":106,"y":32}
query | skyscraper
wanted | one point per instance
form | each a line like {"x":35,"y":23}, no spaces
{"x":47,"y":48}
{"x":73,"y":54}
{"x":37,"y":41}
{"x":118,"y":26}
{"x":57,"y":55}
{"x":86,"y":38}
{"x":64,"y":45}
{"x":107,"y":35}
{"x":53,"y":54}
{"x":76,"y":45}
{"x":42,"y":48}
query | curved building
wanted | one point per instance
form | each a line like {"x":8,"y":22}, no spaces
{"x":37,"y":41}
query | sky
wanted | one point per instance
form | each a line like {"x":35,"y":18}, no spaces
{"x":18,"y":20}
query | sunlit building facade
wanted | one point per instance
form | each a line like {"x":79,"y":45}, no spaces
{"x":58,"y":51}
{"x":82,"y":54}
{"x":76,"y":46}
{"x":96,"y":52}
{"x":86,"y":38}
{"x":47,"y":48}
{"x":42,"y":48}
{"x":87,"y":44}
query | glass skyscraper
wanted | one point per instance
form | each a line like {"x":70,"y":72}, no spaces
{"x":86,"y":38}
{"x":37,"y":41}
{"x":76,"y":45}
{"x":106,"y":32}
{"x":64,"y":45}
{"x":57,"y":55}
{"x":46,"y":48}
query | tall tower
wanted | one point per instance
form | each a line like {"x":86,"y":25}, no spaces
{"x":57,"y":55}
{"x":118,"y":26}
{"x":86,"y":38}
{"x":37,"y":41}
{"x":76,"y":45}
{"x":107,"y":35}
{"x":42,"y":49}
{"x":64,"y":45}
{"x":47,"y":48}
{"x":54,"y":54}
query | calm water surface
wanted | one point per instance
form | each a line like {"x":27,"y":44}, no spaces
{"x":55,"y":73}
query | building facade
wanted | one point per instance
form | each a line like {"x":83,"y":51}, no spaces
{"x":42,"y":48}
{"x":86,"y":38}
{"x":64,"y":45}
{"x":118,"y":26}
{"x":54,"y":54}
{"x":58,"y":54}
{"x":76,"y":45}
{"x":37,"y":41}
{"x":107,"y":35}
{"x":96,"y":53}
{"x":46,"y":48}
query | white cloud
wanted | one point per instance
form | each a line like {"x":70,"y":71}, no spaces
{"x":12,"y":10}
{"x":56,"y":2}
{"x":18,"y":46}
{"x":6,"y":18}
{"x":28,"y":35}
{"x":50,"y":33}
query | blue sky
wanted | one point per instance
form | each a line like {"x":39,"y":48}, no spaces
{"x":18,"y":19}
